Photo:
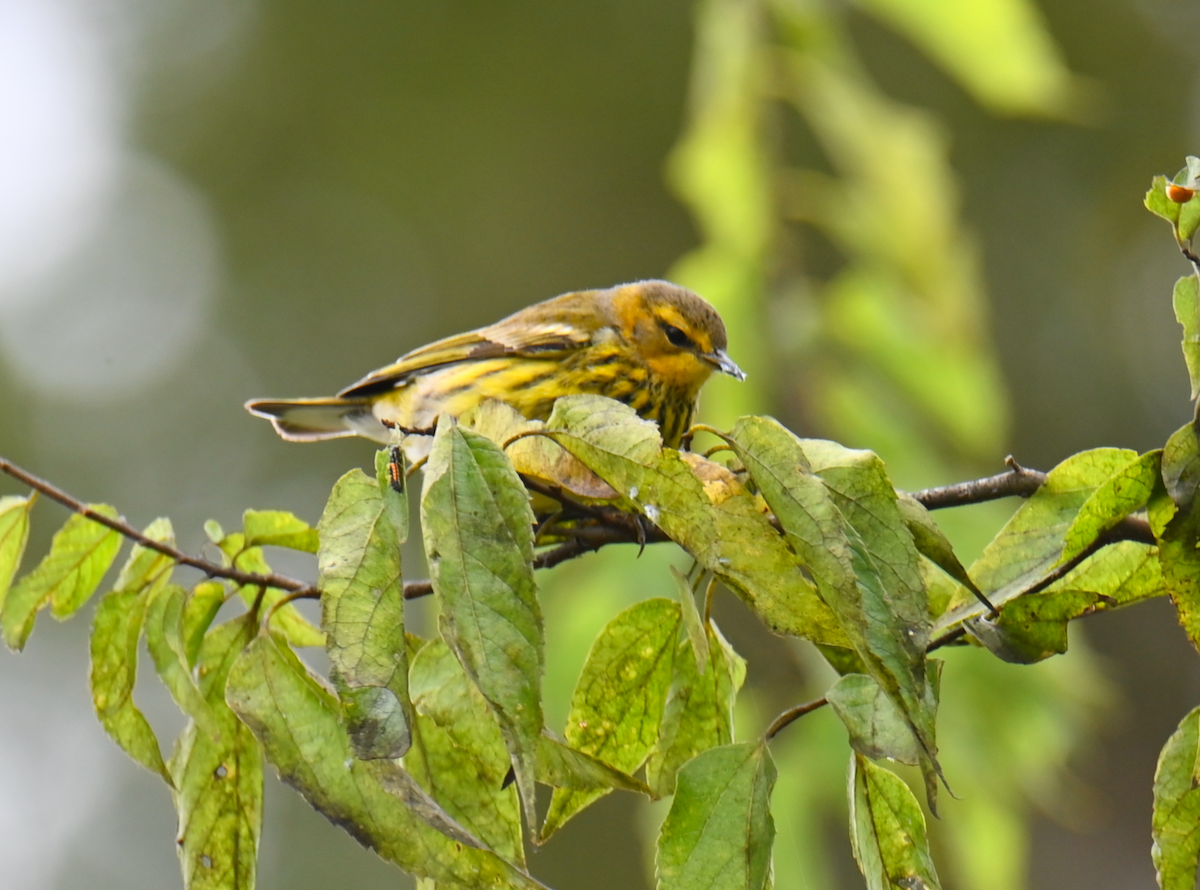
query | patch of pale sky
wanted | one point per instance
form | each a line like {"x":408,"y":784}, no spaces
{"x":108,"y":258}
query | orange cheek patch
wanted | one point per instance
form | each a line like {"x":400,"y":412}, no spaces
{"x":680,"y":370}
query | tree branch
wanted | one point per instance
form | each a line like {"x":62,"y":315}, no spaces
{"x":791,"y":715}
{"x":1131,"y":528}
{"x":584,"y":542}
{"x":1016,"y":481}
{"x":210,"y":569}
{"x":547,"y":559}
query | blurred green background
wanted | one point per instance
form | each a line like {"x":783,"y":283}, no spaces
{"x":922,"y":222}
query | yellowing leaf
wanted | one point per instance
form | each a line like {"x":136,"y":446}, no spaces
{"x":116,"y":629}
{"x":1031,"y":542}
{"x":618,"y":702}
{"x":887,"y":830}
{"x":80,"y":554}
{"x":278,"y":528}
{"x":1186,"y":299}
{"x":1126,"y":491}
{"x":532,"y":455}
{"x":723,"y":527}
{"x":218,"y":777}
{"x":14,"y":533}
{"x":842,"y":517}
{"x":698,"y":714}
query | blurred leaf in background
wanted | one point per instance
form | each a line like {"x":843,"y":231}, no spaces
{"x":890,"y":350}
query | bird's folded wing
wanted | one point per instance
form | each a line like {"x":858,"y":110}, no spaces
{"x":507,"y":338}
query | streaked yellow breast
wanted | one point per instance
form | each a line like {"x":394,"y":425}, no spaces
{"x":532,"y":385}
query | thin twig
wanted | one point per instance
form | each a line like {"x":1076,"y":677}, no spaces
{"x":1131,"y":528}
{"x":791,"y":715}
{"x":547,"y":559}
{"x":210,"y":569}
{"x":1017,"y":481}
{"x":950,"y":636}
{"x":1187,"y":252}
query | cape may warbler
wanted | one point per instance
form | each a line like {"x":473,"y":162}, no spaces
{"x":650,"y":344}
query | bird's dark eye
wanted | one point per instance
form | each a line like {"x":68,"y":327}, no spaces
{"x":676,"y":336}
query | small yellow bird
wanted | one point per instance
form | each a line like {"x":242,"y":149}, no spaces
{"x":650,"y":344}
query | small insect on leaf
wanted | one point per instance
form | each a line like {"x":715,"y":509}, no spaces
{"x":396,"y":469}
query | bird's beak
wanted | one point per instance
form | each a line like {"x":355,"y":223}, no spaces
{"x":725,"y":364}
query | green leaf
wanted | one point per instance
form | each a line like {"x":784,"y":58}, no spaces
{"x":561,"y":766}
{"x":80,"y":554}
{"x":362,"y":607}
{"x":1126,"y":491}
{"x":116,"y":629}
{"x":999,"y":50}
{"x":719,"y":831}
{"x":392,"y":490}
{"x":699,"y":504}
{"x":1176,"y":822}
{"x":14,"y":534}
{"x":876,"y":726}
{"x":213,"y":531}
{"x":218,"y":777}
{"x":1185,"y":218}
{"x":887,"y":830}
{"x":1189,"y":211}
{"x":1181,"y":468}
{"x":145,"y":565}
{"x":278,"y":528}
{"x":931,"y":542}
{"x":199,"y":611}
{"x":698,"y":714}
{"x":296,"y":721}
{"x":286,"y":619}
{"x":1189,"y":217}
{"x":618,"y":702}
{"x":1031,"y":542}
{"x":858,"y":483}
{"x":164,"y":639}
{"x":1187,"y":312}
{"x":692,"y":622}
{"x":478,"y":531}
{"x":1158,"y":203}
{"x":459,"y":755}
{"x":841,"y":514}
{"x":1179,"y":538}
{"x":1033,"y":627}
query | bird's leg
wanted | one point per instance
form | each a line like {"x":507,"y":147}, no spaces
{"x":410,"y":430}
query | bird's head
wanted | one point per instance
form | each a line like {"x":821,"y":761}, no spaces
{"x":677,"y":333}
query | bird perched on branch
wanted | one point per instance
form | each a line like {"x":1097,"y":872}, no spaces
{"x":650,"y":344}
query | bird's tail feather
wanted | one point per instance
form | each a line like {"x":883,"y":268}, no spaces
{"x":311,"y":420}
